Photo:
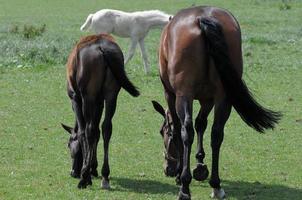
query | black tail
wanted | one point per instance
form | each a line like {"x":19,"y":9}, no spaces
{"x":251,"y":112}
{"x":114,"y":57}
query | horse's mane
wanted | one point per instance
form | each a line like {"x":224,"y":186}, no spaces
{"x":83,"y":42}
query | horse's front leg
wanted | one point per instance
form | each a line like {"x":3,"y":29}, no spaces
{"x":144,"y":56}
{"x":184,"y":112}
{"x":88,"y":139}
{"x":110,"y":105}
{"x":170,"y":98}
{"x":131,"y":51}
{"x":221,"y":115}
{"x":201,"y":172}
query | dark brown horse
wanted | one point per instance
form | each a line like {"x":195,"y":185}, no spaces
{"x":201,"y":59}
{"x":95,"y":75}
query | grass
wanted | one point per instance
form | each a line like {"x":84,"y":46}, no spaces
{"x":35,"y":161}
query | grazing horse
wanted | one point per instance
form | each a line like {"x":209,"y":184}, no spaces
{"x":95,"y":75}
{"x":201,"y":59}
{"x":134,"y":25}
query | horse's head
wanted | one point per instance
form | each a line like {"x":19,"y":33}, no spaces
{"x":75,"y":152}
{"x":171,"y":152}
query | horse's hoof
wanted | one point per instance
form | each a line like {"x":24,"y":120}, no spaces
{"x":84,"y":183}
{"x":201,"y":172}
{"x":95,"y":173}
{"x":218,"y":194}
{"x":183,"y":196}
{"x":105,"y":184}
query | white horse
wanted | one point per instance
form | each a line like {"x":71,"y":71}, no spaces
{"x":134,"y":25}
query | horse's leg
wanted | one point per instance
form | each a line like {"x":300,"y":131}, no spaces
{"x":221,"y":115}
{"x":144,"y":55}
{"x":131,"y":50}
{"x":110,"y":105}
{"x":170,"y":98}
{"x":94,"y":165}
{"x":201,"y":171}
{"x":184,"y":106}
{"x":87,"y":140}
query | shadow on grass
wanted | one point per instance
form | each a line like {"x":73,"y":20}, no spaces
{"x":257,"y":190}
{"x":240,"y":190}
{"x":143,"y":186}
{"x":234,"y":189}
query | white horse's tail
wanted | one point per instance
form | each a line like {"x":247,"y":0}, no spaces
{"x":87,"y":23}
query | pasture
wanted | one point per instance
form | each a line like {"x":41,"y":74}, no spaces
{"x":35,"y":160}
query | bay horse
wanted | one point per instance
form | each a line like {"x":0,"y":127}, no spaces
{"x":133,"y":25}
{"x":95,"y":75}
{"x":200,"y":58}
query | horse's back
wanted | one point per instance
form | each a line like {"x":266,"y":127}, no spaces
{"x":103,"y":21}
{"x":188,"y":67}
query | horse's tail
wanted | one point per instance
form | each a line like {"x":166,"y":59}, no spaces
{"x":114,"y":58}
{"x":87,"y":23}
{"x":251,"y":112}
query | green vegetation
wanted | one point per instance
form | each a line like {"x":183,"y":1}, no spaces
{"x":34,"y":159}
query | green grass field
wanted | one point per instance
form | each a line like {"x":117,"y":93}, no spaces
{"x":34,"y":158}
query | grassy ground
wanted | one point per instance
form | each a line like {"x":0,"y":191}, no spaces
{"x":34,"y":159}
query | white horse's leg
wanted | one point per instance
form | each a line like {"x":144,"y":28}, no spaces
{"x":144,"y":55}
{"x":131,"y":50}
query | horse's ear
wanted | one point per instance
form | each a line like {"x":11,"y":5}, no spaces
{"x":159,"y":108}
{"x":67,"y":128}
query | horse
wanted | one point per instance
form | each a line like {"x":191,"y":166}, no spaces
{"x":95,"y":75}
{"x":200,"y":58}
{"x":133,"y":25}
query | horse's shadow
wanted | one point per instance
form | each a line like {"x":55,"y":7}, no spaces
{"x":234,"y":189}
{"x":257,"y":190}
{"x":143,"y":186}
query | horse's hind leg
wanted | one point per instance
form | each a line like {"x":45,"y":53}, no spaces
{"x":201,"y":172}
{"x":110,"y":105}
{"x":221,"y":115}
{"x":184,"y":111}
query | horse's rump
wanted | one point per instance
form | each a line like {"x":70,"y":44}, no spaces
{"x":74,"y":62}
{"x":89,"y":67}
